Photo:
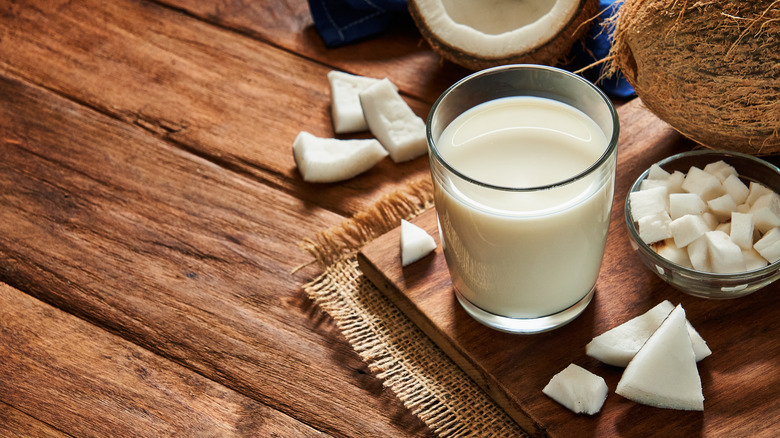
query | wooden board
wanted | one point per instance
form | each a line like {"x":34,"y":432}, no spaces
{"x":741,"y":380}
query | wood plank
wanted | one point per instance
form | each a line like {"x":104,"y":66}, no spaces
{"x":741,"y":379}
{"x":237,"y":101}
{"x":86,"y":382}
{"x":13,"y":420}
{"x":180,"y":256}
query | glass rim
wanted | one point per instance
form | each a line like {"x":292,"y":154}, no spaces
{"x":608,"y":152}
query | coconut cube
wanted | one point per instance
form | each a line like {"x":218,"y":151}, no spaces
{"x":755,"y":191}
{"x":769,"y":245}
{"x":681,"y":204}
{"x":657,"y":172}
{"x":579,"y":390}
{"x":736,"y":188}
{"x":416,"y":243}
{"x":725,"y":256}
{"x":704,"y":184}
{"x":766,"y":212}
{"x":673,"y":182}
{"x":720,"y":169}
{"x":655,"y":227}
{"x":648,"y":202}
{"x":710,"y":219}
{"x":741,"y":231}
{"x":327,"y":160}
{"x":722,"y":206}
{"x":346,"y":111}
{"x":687,"y":229}
{"x":675,"y":254}
{"x":393,"y":122}
{"x":698,"y":255}
{"x":753,"y":260}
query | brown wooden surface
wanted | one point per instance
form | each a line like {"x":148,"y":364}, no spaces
{"x":741,"y":379}
{"x":150,"y":215}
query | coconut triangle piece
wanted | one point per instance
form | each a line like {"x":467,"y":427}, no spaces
{"x":415,"y":243}
{"x":327,"y":160}
{"x":663,"y":373}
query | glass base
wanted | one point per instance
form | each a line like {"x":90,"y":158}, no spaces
{"x":525,"y":325}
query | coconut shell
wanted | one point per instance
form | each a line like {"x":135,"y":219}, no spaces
{"x":709,"y":69}
{"x":551,"y":53}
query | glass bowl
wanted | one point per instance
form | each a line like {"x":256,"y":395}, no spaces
{"x":699,"y":283}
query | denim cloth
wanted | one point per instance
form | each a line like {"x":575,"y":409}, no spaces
{"x":341,"y":22}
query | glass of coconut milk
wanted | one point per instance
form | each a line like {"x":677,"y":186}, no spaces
{"x":523,"y":163}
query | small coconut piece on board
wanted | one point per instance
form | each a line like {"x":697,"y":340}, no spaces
{"x":393,"y":122}
{"x":416,"y":243}
{"x":346,"y":111}
{"x":476,"y":35}
{"x":664,"y":373}
{"x":327,"y":160}
{"x":579,"y":390}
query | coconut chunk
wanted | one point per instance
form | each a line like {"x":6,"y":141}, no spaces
{"x":620,"y":344}
{"x":755,"y":191}
{"x":720,"y":169}
{"x":416,"y":243}
{"x":655,"y":228}
{"x":699,"y":255}
{"x":687,"y":229}
{"x":393,"y":122}
{"x":579,"y":390}
{"x":741,"y":231}
{"x":648,"y":202}
{"x":681,"y":204}
{"x":736,"y":188}
{"x":675,"y":254}
{"x":766,"y":212}
{"x":656,"y":172}
{"x":327,"y":160}
{"x":663,"y":373}
{"x":722,"y":206}
{"x":769,"y":245}
{"x":346,"y":111}
{"x":725,"y":255}
{"x":704,"y":184}
{"x":753,"y":260}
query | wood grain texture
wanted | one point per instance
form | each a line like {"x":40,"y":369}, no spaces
{"x":179,"y":256}
{"x":222,"y":95}
{"x":81,"y":379}
{"x":12,"y":421}
{"x":741,"y":379}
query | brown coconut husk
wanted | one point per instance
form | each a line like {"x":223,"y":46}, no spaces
{"x":711,"y":69}
{"x":551,"y":53}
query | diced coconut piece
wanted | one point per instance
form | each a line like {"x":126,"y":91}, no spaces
{"x":724,"y":226}
{"x":663,"y":373}
{"x":710,"y":219}
{"x":722,"y":206}
{"x":346,"y":111}
{"x":416,"y":243}
{"x":766,"y":212}
{"x":657,"y":172}
{"x":681,"y":204}
{"x":741,"y":231}
{"x":670,"y":251}
{"x":393,"y":122}
{"x":698,"y":254}
{"x":736,"y":188}
{"x":704,"y":184}
{"x":673,"y":182}
{"x":755,"y":191}
{"x":769,"y":245}
{"x":655,"y":228}
{"x":648,"y":184}
{"x":725,"y":255}
{"x":720,"y":169}
{"x":743,"y":208}
{"x":753,"y":259}
{"x":326,"y":160}
{"x":579,"y":390}
{"x":620,"y":344}
{"x":648,"y":202}
{"x":687,"y":229}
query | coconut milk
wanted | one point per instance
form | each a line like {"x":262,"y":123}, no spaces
{"x":530,"y":253}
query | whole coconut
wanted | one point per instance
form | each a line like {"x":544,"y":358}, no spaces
{"x":711,"y":69}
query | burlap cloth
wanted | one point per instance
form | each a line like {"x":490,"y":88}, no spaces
{"x":420,"y":374}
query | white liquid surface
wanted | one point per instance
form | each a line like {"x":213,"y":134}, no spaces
{"x":524,"y":254}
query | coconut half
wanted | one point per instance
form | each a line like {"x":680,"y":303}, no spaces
{"x":479,"y":35}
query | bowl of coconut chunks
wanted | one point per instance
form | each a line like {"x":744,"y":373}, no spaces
{"x":708,"y":222}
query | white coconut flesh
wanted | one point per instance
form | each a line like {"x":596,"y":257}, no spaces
{"x":497,"y":28}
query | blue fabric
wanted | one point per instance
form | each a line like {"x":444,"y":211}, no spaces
{"x":341,"y":22}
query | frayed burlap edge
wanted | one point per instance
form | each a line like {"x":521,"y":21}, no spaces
{"x":415,"y":369}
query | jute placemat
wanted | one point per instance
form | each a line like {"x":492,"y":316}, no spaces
{"x":421,"y":375}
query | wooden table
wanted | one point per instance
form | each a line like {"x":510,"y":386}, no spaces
{"x":150,"y":215}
